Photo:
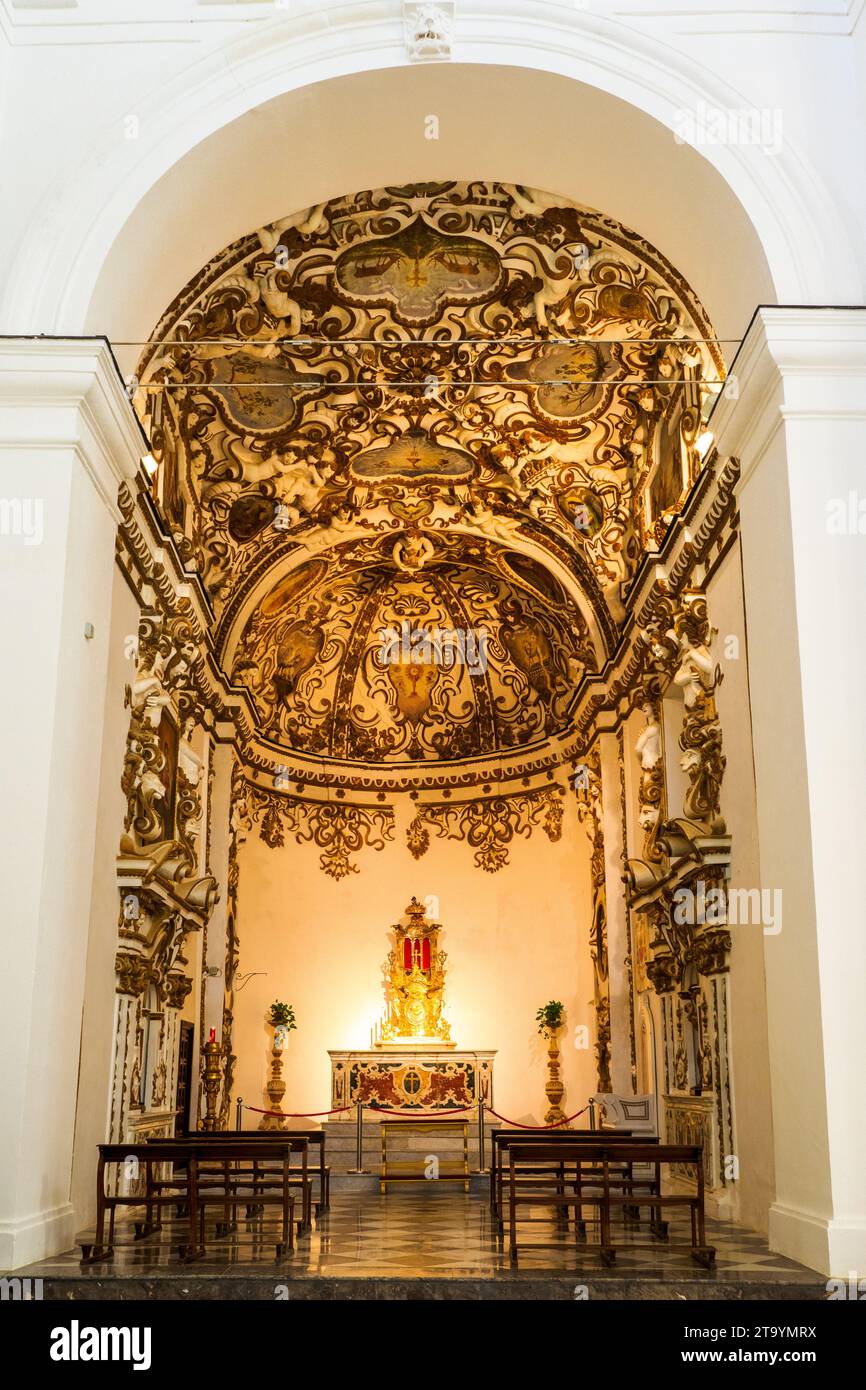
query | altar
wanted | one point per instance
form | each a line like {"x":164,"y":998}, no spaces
{"x":410,"y":1080}
{"x":412,"y":1064}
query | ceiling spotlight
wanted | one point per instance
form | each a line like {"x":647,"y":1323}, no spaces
{"x":704,"y":443}
{"x":150,"y":464}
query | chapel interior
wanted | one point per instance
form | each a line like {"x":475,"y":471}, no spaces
{"x":448,"y":768}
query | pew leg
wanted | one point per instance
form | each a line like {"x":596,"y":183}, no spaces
{"x":659,"y":1228}
{"x":579,"y":1223}
{"x":606,"y":1250}
{"x":95,"y":1253}
{"x":286,"y":1242}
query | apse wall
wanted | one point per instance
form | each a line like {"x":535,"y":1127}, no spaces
{"x":514,"y":940}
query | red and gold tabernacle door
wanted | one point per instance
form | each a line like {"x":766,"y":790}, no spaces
{"x":415,"y":984}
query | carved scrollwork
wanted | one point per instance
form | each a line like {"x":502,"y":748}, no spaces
{"x":490,"y":824}
{"x":133,"y":973}
{"x":337,"y":829}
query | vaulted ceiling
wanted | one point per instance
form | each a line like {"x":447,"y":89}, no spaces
{"x":465,"y":408}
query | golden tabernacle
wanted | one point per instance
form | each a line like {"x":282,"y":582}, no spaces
{"x":412,"y":1063}
{"x":415,"y":985}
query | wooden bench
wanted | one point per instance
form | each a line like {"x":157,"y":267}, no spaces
{"x":504,"y":1138}
{"x":593,"y":1173}
{"x":313,"y":1136}
{"x":195,"y":1184}
{"x":261,"y":1177}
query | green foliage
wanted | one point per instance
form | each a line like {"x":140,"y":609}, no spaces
{"x":549,"y":1017}
{"x":281,"y":1015}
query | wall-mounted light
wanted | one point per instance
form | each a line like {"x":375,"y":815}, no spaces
{"x":704,"y":443}
{"x":150,"y":464}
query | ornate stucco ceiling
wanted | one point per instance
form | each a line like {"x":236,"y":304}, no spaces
{"x":370,"y":663}
{"x":471,"y":407}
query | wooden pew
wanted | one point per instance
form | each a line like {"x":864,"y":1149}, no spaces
{"x":502,"y":1139}
{"x":194,"y":1185}
{"x":606,"y":1189}
{"x":313,"y":1136}
{"x":215,"y":1172}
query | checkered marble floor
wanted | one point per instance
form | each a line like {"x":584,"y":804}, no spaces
{"x":430,"y":1233}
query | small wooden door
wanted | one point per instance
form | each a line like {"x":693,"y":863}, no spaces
{"x":184,"y":1072}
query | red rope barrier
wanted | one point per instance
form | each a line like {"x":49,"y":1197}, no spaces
{"x":557,"y":1125}
{"x":301,"y":1115}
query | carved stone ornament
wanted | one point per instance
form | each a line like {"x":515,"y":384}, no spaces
{"x":339,"y":830}
{"x":489,"y":824}
{"x":163,"y":802}
{"x":429,"y":30}
{"x":133,"y":973}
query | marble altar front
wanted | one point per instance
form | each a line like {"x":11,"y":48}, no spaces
{"x":421,"y":1079}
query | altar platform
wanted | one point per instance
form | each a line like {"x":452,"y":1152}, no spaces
{"x":418,"y":1243}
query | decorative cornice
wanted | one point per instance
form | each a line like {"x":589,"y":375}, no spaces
{"x":67,"y":394}
{"x":793,"y":362}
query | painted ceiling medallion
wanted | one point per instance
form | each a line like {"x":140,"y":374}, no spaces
{"x":259,"y":393}
{"x":418,"y":271}
{"x":413,"y":458}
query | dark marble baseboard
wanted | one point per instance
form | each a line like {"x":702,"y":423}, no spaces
{"x":529,"y":1286}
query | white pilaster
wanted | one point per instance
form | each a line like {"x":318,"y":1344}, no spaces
{"x":799,"y":427}
{"x":67,"y":438}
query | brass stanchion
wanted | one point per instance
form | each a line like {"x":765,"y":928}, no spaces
{"x":359,"y":1141}
{"x":239,"y":1112}
{"x":480,"y":1135}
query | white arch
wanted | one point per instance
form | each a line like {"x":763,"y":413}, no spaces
{"x":55,"y":277}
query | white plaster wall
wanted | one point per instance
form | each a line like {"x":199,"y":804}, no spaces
{"x":93,"y":1098}
{"x":51,"y":778}
{"x":749,"y":1044}
{"x":583,"y":100}
{"x":514,"y":939}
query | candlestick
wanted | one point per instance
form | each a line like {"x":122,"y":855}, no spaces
{"x":211,"y":1081}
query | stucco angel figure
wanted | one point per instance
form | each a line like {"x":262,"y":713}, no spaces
{"x":486,"y":521}
{"x":696,"y":673}
{"x":148,"y":694}
{"x":411,"y":553}
{"x":341,"y":524}
{"x":306,"y":221}
{"x":648,"y":746}
{"x":300,"y":482}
